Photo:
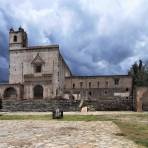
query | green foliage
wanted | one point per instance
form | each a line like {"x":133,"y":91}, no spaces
{"x":135,"y":131}
{"x":139,"y":72}
{"x":25,"y":117}
{"x":80,"y":118}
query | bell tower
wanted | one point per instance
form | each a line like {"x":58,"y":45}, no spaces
{"x":17,"y":39}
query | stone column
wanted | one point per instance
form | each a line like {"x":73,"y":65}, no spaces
{"x":45,"y":92}
{"x":31,"y":91}
{"x":139,"y":95}
{"x":139,"y":102}
{"x":18,"y":93}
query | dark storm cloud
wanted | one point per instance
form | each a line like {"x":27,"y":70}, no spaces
{"x":95,"y":36}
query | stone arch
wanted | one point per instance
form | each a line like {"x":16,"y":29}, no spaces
{"x":10,"y":93}
{"x":38,"y":92}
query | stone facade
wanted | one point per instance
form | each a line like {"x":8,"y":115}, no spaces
{"x":104,"y":92}
{"x":37,"y":68}
{"x":40,"y":72}
{"x":97,"y":87}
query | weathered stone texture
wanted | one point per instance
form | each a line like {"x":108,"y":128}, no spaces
{"x":66,"y":105}
{"x":40,"y":105}
{"x":23,"y":61}
{"x":125,"y":81}
{"x":141,"y":101}
{"x":99,"y":87}
{"x":40,"y":72}
{"x":63,"y":134}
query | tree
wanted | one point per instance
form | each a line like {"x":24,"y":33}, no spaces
{"x":139,"y":72}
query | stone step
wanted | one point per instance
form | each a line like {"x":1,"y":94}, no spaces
{"x":65,"y":105}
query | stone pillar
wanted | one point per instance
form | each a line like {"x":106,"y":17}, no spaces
{"x":139,"y":102}
{"x":45,"y":92}
{"x":31,"y":91}
{"x":139,"y":95}
{"x":18,"y":93}
{"x":27,"y":92}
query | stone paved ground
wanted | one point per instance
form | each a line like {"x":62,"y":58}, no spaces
{"x":61,"y":134}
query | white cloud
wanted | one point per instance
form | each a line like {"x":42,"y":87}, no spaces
{"x":93,"y":34}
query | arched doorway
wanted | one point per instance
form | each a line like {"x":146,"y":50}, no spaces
{"x":10,"y":93}
{"x":38,"y":92}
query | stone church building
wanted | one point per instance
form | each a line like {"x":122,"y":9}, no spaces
{"x":34,"y":72}
{"x":40,"y":72}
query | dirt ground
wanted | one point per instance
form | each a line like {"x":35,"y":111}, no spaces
{"x":61,"y":134}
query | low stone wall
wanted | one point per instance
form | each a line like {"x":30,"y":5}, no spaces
{"x":121,"y":104}
{"x":39,"y":105}
{"x":66,"y":105}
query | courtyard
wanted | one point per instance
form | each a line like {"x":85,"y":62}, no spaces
{"x":53,"y":134}
{"x":75,"y":130}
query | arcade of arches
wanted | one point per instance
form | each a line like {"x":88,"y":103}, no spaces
{"x":12,"y":92}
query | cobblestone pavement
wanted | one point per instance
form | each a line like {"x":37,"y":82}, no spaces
{"x":61,"y":134}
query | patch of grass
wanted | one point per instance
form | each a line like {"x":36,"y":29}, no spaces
{"x":134,"y":131}
{"x":25,"y":117}
{"x":91,"y":118}
{"x":49,"y":117}
{"x":85,"y":118}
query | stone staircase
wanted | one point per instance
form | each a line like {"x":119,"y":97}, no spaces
{"x":40,"y":105}
{"x":44,"y":105}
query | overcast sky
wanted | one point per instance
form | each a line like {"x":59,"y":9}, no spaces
{"x":95,"y":36}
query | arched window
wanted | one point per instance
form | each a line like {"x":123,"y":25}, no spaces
{"x":15,"y":38}
{"x":38,"y":92}
{"x":10,"y":93}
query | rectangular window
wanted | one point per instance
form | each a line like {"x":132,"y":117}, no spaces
{"x":116,"y":81}
{"x":98,"y":84}
{"x":81,"y":84}
{"x":38,"y":68}
{"x":89,"y":84}
{"x":106,"y":84}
